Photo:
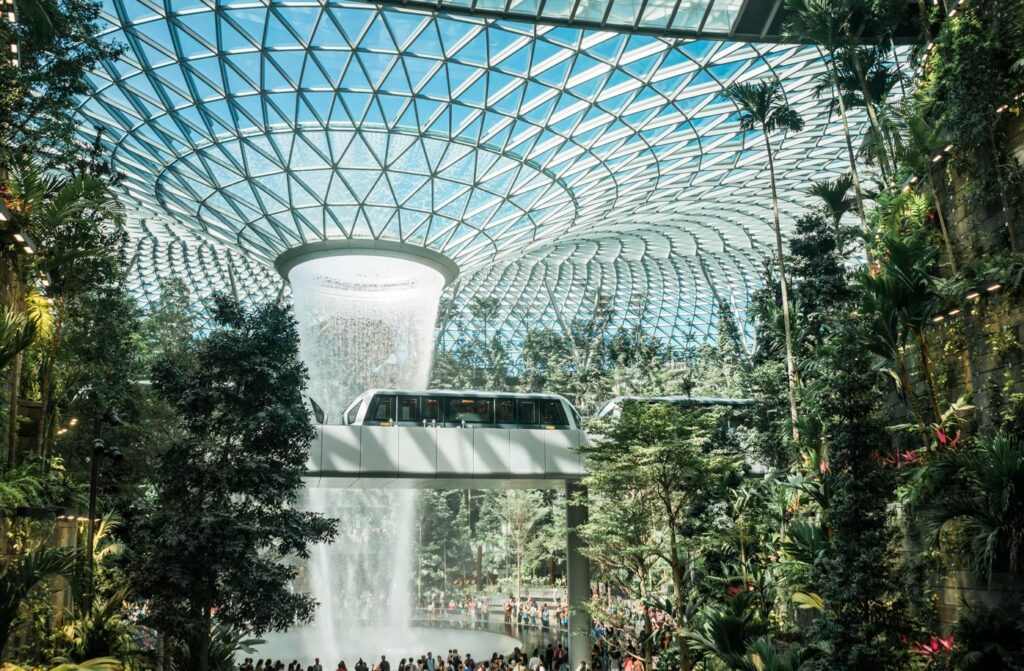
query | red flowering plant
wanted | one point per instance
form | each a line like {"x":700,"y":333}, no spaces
{"x":935,"y":651}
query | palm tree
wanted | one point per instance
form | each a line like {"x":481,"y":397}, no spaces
{"x":980,"y":492}
{"x":103,"y":630}
{"x":864,"y":77}
{"x":21,"y":576}
{"x":904,"y":296}
{"x":824,"y":23}
{"x":764,"y":655}
{"x":762,"y":105}
{"x":726,"y":633}
{"x":64,"y":214}
{"x":835,"y":196}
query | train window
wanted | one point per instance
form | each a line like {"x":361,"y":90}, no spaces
{"x":505,"y":411}
{"x":470,"y":410}
{"x":552,"y":413}
{"x":527,"y":412}
{"x":432,"y":409}
{"x":354,"y":412}
{"x":408,"y":409}
{"x":384,"y":410}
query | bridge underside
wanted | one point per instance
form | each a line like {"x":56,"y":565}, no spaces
{"x":444,"y":458}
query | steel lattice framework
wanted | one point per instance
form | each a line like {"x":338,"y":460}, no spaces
{"x":550,"y":163}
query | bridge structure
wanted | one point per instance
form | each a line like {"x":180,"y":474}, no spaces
{"x":414,"y":457}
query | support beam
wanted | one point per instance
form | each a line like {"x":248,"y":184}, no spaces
{"x":577,"y":580}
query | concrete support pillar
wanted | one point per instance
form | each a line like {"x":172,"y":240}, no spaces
{"x":577,"y":581}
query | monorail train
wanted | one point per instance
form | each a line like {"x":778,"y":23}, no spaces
{"x":613,"y":408}
{"x":461,"y":409}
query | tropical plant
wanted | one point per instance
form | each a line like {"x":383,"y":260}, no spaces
{"x":17,"y":332}
{"x":21,"y":576}
{"x":102,"y":629}
{"x":980,"y":493}
{"x":767,"y":655}
{"x":835,"y":196}
{"x":726,"y":633}
{"x":97,"y":664}
{"x":223,"y":523}
{"x":762,"y":105}
{"x":76,"y":222}
{"x":225,"y":644}
{"x":825,"y":23}
{"x":902,"y":297}
{"x":19,"y":486}
{"x":865,"y":605}
{"x":989,"y":638}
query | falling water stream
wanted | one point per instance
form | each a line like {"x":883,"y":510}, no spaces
{"x":364,"y":322}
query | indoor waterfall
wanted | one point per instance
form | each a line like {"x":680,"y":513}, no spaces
{"x":364,"y":322}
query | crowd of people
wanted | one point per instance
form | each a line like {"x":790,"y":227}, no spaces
{"x":528,"y":613}
{"x":552,"y":657}
{"x":616,"y":628}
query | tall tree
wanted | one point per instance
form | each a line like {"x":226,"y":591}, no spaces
{"x":520,"y":512}
{"x":762,"y":105}
{"x":824,"y":22}
{"x":660,"y":459}
{"x":864,"y":608}
{"x":222,"y":520}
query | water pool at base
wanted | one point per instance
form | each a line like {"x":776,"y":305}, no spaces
{"x":371,"y":642}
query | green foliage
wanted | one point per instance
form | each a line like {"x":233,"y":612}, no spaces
{"x":21,"y":576}
{"x":989,"y":638}
{"x":20,"y":486}
{"x":222,"y":519}
{"x":979,"y":491}
{"x":102,"y":630}
{"x":225,"y":644}
{"x":727,"y":633}
{"x":970,"y":77}
{"x":98,"y":664}
{"x":17,"y":332}
{"x":763,"y":107}
{"x":858,"y":579}
{"x":59,"y":43}
{"x":665,"y":462}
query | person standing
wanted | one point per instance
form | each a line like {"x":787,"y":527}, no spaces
{"x":431,"y":662}
{"x":384,"y":665}
{"x":316,"y":664}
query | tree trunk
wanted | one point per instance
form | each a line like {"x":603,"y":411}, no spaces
{"x":203,"y":647}
{"x":47,"y":382}
{"x":677,"y":596}
{"x":876,"y":125}
{"x":911,"y":396}
{"x":854,"y":172}
{"x":945,"y":232}
{"x":479,"y":567}
{"x":926,"y":363}
{"x":790,"y":362}
{"x":551,"y":570}
{"x":12,"y":428}
{"x":519,"y":577}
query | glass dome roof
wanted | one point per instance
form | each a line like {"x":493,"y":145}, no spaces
{"x":549,"y":163}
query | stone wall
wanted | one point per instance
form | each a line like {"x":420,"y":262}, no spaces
{"x":978,"y":354}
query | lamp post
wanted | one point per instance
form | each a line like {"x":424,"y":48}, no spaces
{"x":99,"y":449}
